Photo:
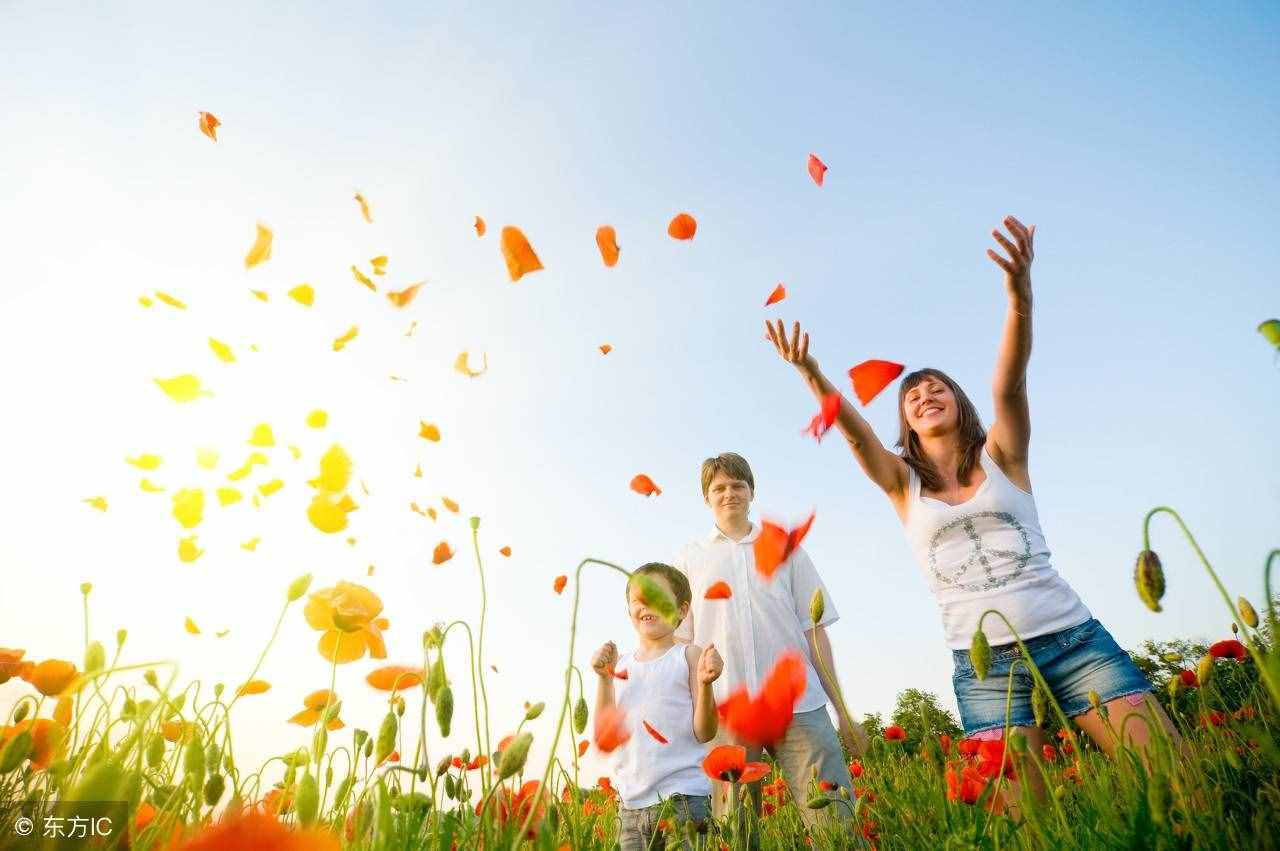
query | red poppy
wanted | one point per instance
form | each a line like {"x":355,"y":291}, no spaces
{"x":1244,"y":713}
{"x":944,"y":742}
{"x":611,"y":729}
{"x":872,"y":376}
{"x":775,"y":545}
{"x":763,"y":719}
{"x":683,"y":226}
{"x":1189,"y":678}
{"x":729,"y":763}
{"x":657,"y":737}
{"x":968,"y":747}
{"x":718,"y":591}
{"x":993,"y":758}
{"x":768,"y":808}
{"x":517,"y":806}
{"x":855,"y":768}
{"x":1214,"y":718}
{"x":826,"y":416}
{"x":894,"y":733}
{"x":828,"y":786}
{"x":965,"y":784}
{"x":254,"y":829}
{"x":1049,"y":753}
{"x":1229,"y":649}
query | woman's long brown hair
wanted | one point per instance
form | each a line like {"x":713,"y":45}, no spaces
{"x":972,"y":435}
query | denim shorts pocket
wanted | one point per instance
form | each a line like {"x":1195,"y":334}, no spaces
{"x":963,"y":664}
{"x":1082,"y":634}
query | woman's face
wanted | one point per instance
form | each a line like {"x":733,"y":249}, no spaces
{"x":930,"y":408}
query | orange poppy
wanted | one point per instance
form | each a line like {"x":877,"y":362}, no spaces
{"x":775,"y":545}
{"x":315,"y":704}
{"x":607,"y":240}
{"x":394,"y":677}
{"x":48,"y":740}
{"x":872,"y":376}
{"x":683,"y":226}
{"x":645,"y":486}
{"x":347,"y":614}
{"x":11,"y":664}
{"x":611,"y":729}
{"x":519,"y":254}
{"x":51,"y":677}
{"x":516,"y":806}
{"x":260,"y":832}
{"x":719,"y":591}
{"x":763,"y":719}
{"x":728,"y":763}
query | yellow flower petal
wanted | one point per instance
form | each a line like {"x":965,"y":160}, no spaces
{"x":251,"y":544}
{"x":413,"y":326}
{"x":98,"y":502}
{"x":261,"y":250}
{"x":253,"y":687}
{"x":342,"y":647}
{"x":297,"y":453}
{"x":150,"y":487}
{"x":182,"y":388}
{"x":145,"y":461}
{"x":145,"y":301}
{"x":229,"y":496}
{"x":270,"y":487}
{"x":191,"y":627}
{"x":417,"y":471}
{"x":188,"y":507}
{"x":449,"y":504}
{"x":222,"y":633}
{"x":257,"y":458}
{"x":379,"y":264}
{"x":327,"y":515}
{"x":262,"y":436}
{"x":207,"y":458}
{"x":364,"y":208}
{"x":303,"y":294}
{"x":222,"y":350}
{"x":237,"y":475}
{"x":259,"y":295}
{"x":335,"y":470}
{"x":461,"y":366}
{"x":362,"y":278}
{"x":170,"y":300}
{"x":340,"y":343}
{"x":188,"y":551}
{"x":428,"y":431}
{"x":317,"y":419}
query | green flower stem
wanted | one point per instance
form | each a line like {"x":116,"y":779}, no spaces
{"x":568,"y":687}
{"x":840,"y":704}
{"x":486,"y":771}
{"x":263,"y":657}
{"x":1273,"y":685}
{"x":328,"y":701}
{"x":475,"y":704}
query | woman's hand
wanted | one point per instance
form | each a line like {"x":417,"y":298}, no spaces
{"x":605,"y":659}
{"x":1017,"y":269}
{"x":795,"y":350}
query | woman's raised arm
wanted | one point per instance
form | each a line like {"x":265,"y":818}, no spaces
{"x":1011,"y":431}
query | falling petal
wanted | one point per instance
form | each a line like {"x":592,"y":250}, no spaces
{"x":362,"y":278}
{"x":228,"y":496}
{"x":778,"y":294}
{"x":657,"y":737}
{"x":480,"y":226}
{"x":295,"y":452}
{"x":335,"y":470}
{"x":98,"y":502}
{"x":145,"y":461}
{"x":417,"y":471}
{"x":317,"y":418}
{"x":405,"y":296}
{"x":222,"y":350}
{"x":413,"y":506}
{"x":607,"y":242}
{"x":460,"y":364}
{"x":412,"y":327}
{"x":645,"y":486}
{"x":817,"y":169}
{"x":251,"y":544}
{"x":328,"y":513}
{"x":559,"y":584}
{"x":342,"y":341}
{"x":190,"y":626}
{"x":379,"y":264}
{"x":253,"y":687}
{"x":207,"y":458}
{"x":237,"y":475}
{"x":775,"y":545}
{"x":605,"y":349}
{"x":369,"y":572}
{"x":188,"y":507}
{"x":182,"y":388}
{"x":442,"y":553}
{"x":222,"y":633}
{"x":150,"y":487}
{"x":683,"y":226}
{"x":260,"y":295}
{"x":270,"y":487}
{"x":449,"y":504}
{"x":826,"y":417}
{"x":519,"y":254}
{"x":506,"y":551}
{"x":718,"y":591}
{"x":262,"y":436}
{"x":428,"y":431}
{"x":431,"y":512}
{"x":170,"y":300}
{"x":261,"y":250}
{"x":872,"y":376}
{"x":145,"y":301}
{"x":1270,"y":331}
{"x":364,"y":208}
{"x":209,"y":125}
{"x":303,"y":294}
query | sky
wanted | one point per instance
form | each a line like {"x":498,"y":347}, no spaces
{"x":1142,"y":140}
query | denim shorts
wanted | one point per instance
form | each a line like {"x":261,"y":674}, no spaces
{"x":1073,"y":662}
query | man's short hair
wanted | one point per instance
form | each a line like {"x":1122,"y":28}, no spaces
{"x":678,"y":581}
{"x":731,"y":464}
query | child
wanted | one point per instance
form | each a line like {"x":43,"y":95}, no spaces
{"x":665,"y":685}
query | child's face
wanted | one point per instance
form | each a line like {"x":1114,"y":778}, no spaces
{"x":647,"y":622}
{"x":729,"y":499}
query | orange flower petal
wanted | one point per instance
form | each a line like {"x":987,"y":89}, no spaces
{"x":253,"y":687}
{"x":403,"y":297}
{"x":611,"y":729}
{"x":683,"y":226}
{"x":718,"y":591}
{"x":607,"y":240}
{"x":872,"y":376}
{"x":560,"y":582}
{"x":480,"y":226}
{"x":506,"y":551}
{"x":645,"y":486}
{"x":342,"y":646}
{"x":519,"y":254}
{"x":657,"y":737}
{"x":306,"y":717}
{"x":817,"y":169}
{"x":394,"y":677}
{"x":449,"y":504}
{"x":428,"y":431}
{"x":209,"y":125}
{"x":442,"y":553}
{"x":778,"y":294}
{"x":605,"y":349}
{"x":582,"y":748}
{"x":775,"y":545}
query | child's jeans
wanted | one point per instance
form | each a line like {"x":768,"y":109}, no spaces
{"x":640,"y":828}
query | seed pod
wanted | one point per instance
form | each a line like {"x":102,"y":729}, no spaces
{"x":444,"y":710}
{"x":475,"y":523}
{"x":344,"y":789}
{"x":1204,"y":670}
{"x":193,"y":762}
{"x":1148,"y":576}
{"x":18,"y":748}
{"x":514,"y":756}
{"x":121,"y":635}
{"x":319,"y":743}
{"x":155,"y":751}
{"x":387,"y":736}
{"x":150,"y":678}
{"x":214,"y":788}
{"x":95,"y":657}
{"x":980,"y":654}
{"x":298,"y":587}
{"x":306,"y":801}
{"x":1175,"y":687}
{"x":580,"y":716}
{"x":359,"y":736}
{"x":816,"y":606}
{"x":218,"y":688}
{"x":1039,"y":704}
{"x":368,"y":747}
{"x":436,"y":679}
{"x":85,"y":588}
{"x":20,"y":714}
{"x":443,"y":765}
{"x":451,"y":787}
{"x":534,"y":711}
{"x":818,"y":802}
{"x":1095,"y":700}
{"x":1247,"y":613}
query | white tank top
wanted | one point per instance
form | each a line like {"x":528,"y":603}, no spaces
{"x":989,"y":553}
{"x":645,"y":770}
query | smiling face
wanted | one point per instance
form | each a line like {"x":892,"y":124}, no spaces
{"x":648,"y":623}
{"x":930,"y":407}
{"x":729,"y":498}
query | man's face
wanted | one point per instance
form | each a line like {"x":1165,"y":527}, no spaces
{"x":729,"y":499}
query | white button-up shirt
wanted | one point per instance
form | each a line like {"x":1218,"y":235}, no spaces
{"x":761,"y":621}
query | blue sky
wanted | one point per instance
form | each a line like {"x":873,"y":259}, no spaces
{"x":1140,"y":140}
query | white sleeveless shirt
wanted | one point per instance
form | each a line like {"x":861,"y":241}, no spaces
{"x":989,"y":553}
{"x":645,"y":770}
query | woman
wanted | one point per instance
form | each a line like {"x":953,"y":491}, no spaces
{"x":964,"y":497}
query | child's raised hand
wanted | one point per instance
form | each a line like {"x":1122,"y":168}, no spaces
{"x":710,"y":665}
{"x":605,"y":659}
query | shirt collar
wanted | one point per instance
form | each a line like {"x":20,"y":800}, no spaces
{"x":717,"y":535}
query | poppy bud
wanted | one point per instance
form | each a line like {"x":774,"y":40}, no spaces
{"x":121,"y":635}
{"x":344,"y":788}
{"x":85,"y":588}
{"x":217,"y":690}
{"x":328,"y":775}
{"x":397,"y":705}
{"x":580,"y":716}
{"x":1247,"y":613}
{"x":475,"y":523}
{"x":331,"y":712}
{"x":435,"y":679}
{"x":1173,"y":658}
{"x":214,"y":788}
{"x":319,"y":743}
{"x":1175,"y":687}
{"x":150,"y":678}
{"x":15,"y":751}
{"x":1235,"y":629}
{"x":1148,"y":576}
{"x":466,"y":756}
{"x":818,"y":802}
{"x":358,"y":736}
{"x":298,"y":587}
{"x":444,"y":710}
{"x":212,"y":756}
{"x":1039,"y":704}
{"x":514,"y":756}
{"x":387,"y":737}
{"x":451,"y":787}
{"x":1204,"y":670}
{"x":432,"y":638}
{"x":1094,"y":699}
{"x":980,"y":654}
{"x":193,"y":763}
{"x":368,"y":747}
{"x":534,"y":711}
{"x":20,"y":714}
{"x":95,"y":657}
{"x":306,"y":801}
{"x":155,"y":751}
{"x":443,"y":765}
{"x":816,"y":606}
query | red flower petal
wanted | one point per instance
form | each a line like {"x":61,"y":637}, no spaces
{"x":817,"y":169}
{"x":560,"y":582}
{"x":1229,"y":649}
{"x":645,"y":486}
{"x":763,"y":719}
{"x":872,"y":376}
{"x":611,"y":729}
{"x":775,"y":545}
{"x":778,"y":294}
{"x":657,"y":737}
{"x":826,"y":417}
{"x":718,"y":591}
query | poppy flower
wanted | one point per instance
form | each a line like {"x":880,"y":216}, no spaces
{"x":1049,"y":752}
{"x":828,"y":786}
{"x":825,"y":418}
{"x":965,"y":784}
{"x":277,"y":802}
{"x":1229,"y":649}
{"x":763,"y":719}
{"x":718,"y":591}
{"x":347,"y":614}
{"x":518,"y":253}
{"x":894,"y":733}
{"x":994,"y":759}
{"x":607,"y":242}
{"x":657,"y":737}
{"x":778,"y":294}
{"x":729,"y":764}
{"x":314,"y":704}
{"x":48,"y":740}
{"x":645,"y":486}
{"x":683,"y":226}
{"x":944,"y":742}
{"x":394,"y":677}
{"x":775,"y":545}
{"x":817,"y":169}
{"x":516,"y":806}
{"x":1214,"y":718}
{"x":611,"y":729}
{"x":559,"y":584}
{"x":872,"y":376}
{"x":51,"y":677}
{"x":855,"y":768}
{"x":261,"y":832}
{"x":11,"y":664}
{"x":1189,"y":678}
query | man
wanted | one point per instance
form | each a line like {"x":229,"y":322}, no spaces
{"x":760,"y":621}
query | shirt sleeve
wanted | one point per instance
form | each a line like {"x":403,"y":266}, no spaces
{"x":684,"y":632}
{"x":804,"y":581}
